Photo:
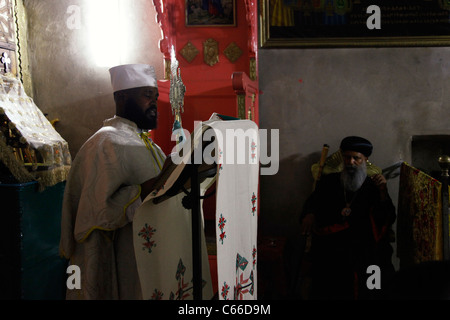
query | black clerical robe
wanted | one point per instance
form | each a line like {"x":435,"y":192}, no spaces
{"x":343,"y":247}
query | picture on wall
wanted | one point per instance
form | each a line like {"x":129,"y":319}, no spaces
{"x":210,"y":13}
{"x":354,"y":23}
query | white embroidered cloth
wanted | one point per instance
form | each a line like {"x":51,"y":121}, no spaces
{"x":163,"y":245}
{"x":48,"y":149}
{"x":163,"y":248}
{"x":162,"y":232}
{"x":236,"y":209}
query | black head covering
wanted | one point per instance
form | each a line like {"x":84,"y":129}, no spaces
{"x":357,"y":144}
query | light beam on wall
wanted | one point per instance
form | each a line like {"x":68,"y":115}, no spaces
{"x":107,"y":32}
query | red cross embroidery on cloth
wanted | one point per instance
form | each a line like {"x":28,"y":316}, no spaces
{"x":147,"y":233}
{"x":221,"y":225}
{"x":253,"y":203}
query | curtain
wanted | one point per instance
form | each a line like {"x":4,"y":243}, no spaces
{"x":419,"y":223}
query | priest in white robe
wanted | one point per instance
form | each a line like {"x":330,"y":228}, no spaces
{"x":110,"y":175}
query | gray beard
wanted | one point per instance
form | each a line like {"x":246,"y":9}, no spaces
{"x":352,"y":177}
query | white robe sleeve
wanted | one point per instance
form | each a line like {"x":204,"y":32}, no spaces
{"x":104,"y":186}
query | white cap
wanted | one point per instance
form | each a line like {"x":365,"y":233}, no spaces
{"x":129,"y":76}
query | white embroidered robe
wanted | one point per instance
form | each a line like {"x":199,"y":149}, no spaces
{"x":102,"y":192}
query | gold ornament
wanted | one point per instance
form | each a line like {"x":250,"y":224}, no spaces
{"x":233,"y":52}
{"x":211,"y":52}
{"x":189,"y":52}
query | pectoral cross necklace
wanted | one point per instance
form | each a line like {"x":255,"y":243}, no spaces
{"x":346,"y":211}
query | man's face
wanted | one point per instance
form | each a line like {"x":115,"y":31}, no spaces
{"x":353,"y":160}
{"x":354,"y":172}
{"x":141,"y":107}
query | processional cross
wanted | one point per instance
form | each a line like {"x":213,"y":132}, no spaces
{"x":176,"y":96}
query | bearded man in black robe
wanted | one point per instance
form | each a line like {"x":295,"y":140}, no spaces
{"x":350,"y":216}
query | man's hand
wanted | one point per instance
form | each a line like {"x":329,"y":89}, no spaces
{"x":381,"y":183}
{"x":149,"y":185}
{"x":167,"y":162}
{"x":379,"y":180}
{"x":306,"y":226}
